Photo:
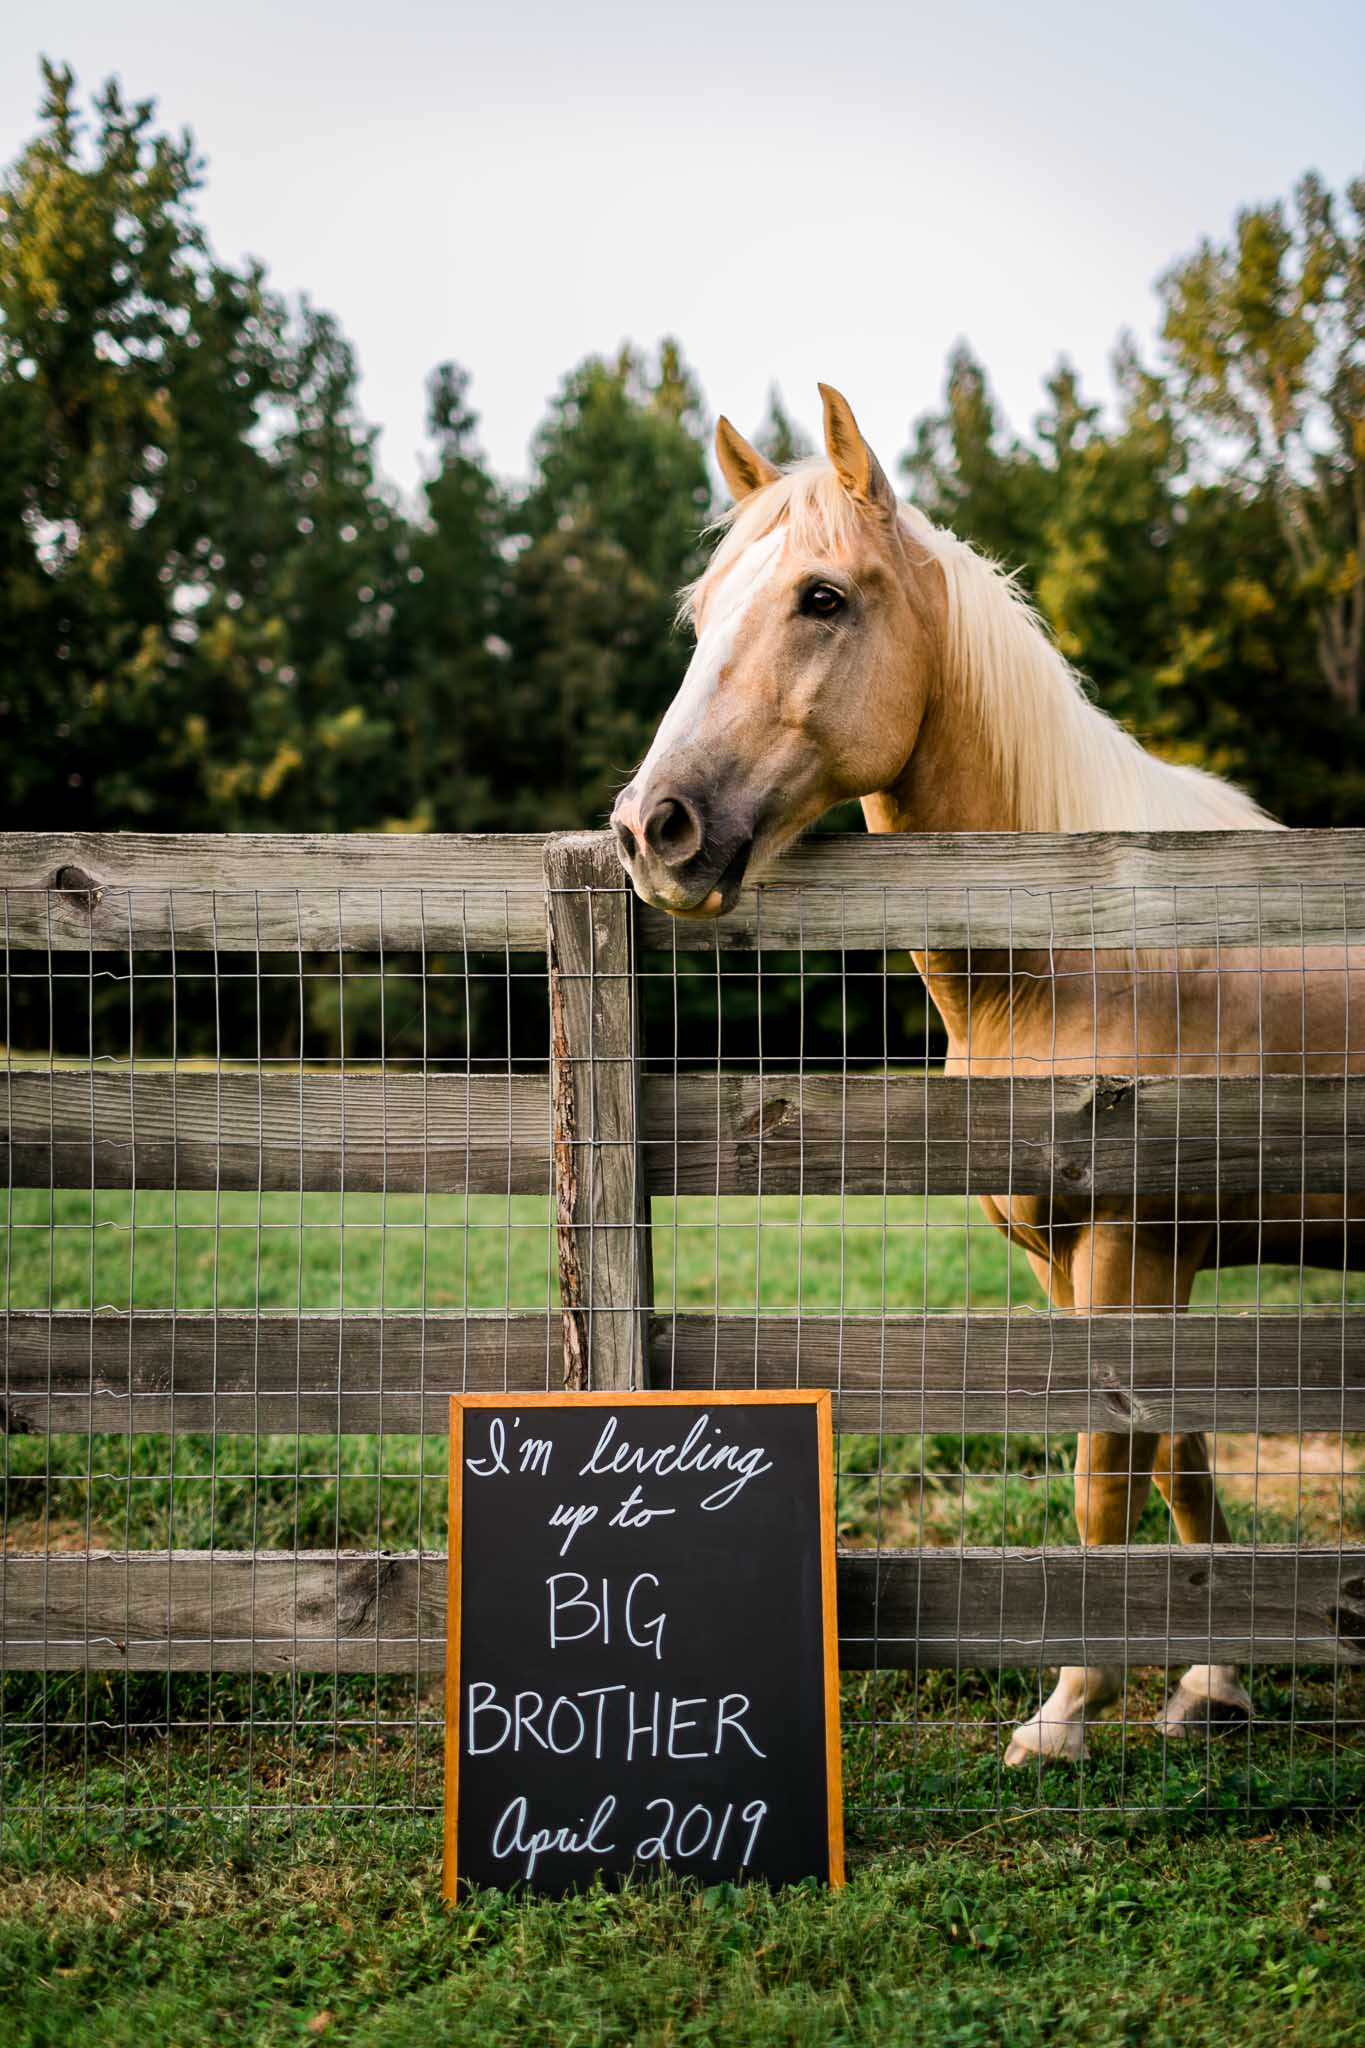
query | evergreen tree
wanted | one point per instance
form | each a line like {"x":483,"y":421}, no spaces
{"x":623,"y":446}
{"x":453,"y":618}
{"x":134,"y":370}
{"x":329,"y":602}
{"x":613,"y":516}
{"x":966,"y":472}
{"x":1103,"y":562}
{"x":779,"y":437}
{"x":1168,"y":585}
{"x":197,"y":565}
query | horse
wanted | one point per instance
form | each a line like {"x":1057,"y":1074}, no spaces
{"x":848,"y":648}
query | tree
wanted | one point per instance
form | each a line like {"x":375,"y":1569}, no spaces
{"x":779,"y":438}
{"x":133,"y":371}
{"x":966,"y":472}
{"x":613,"y":519}
{"x":198,"y":564}
{"x":1175,"y":598}
{"x":453,"y":618}
{"x":623,"y":445}
{"x":1102,"y":570}
{"x":1266,"y":336}
{"x":327,"y":601}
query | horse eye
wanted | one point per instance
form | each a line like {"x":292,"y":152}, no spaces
{"x":822,"y":601}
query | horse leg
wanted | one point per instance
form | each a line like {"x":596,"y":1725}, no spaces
{"x":1209,"y":1696}
{"x":1113,"y":1477}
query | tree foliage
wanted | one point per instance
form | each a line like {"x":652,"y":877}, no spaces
{"x":1266,"y":336}
{"x":779,"y":437}
{"x":215,"y":614}
{"x":613,"y":518}
{"x":1163,"y":571}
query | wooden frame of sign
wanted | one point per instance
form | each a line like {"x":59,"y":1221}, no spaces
{"x":555,"y":1848}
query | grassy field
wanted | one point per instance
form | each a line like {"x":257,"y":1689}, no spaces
{"x":312,"y":1251}
{"x":203,"y":1859}
{"x":1019,"y":1937}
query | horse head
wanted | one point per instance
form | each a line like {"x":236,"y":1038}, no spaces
{"x":815,"y":646}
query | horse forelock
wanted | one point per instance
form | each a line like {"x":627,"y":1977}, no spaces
{"x":807,"y":500}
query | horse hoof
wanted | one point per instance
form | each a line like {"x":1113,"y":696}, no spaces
{"x":1048,"y":1742}
{"x":1205,"y":1704}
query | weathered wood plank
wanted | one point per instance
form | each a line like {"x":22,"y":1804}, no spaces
{"x":1074,"y":889}
{"x":356,"y":1374}
{"x":371,"y":1612}
{"x":724,"y":1133}
{"x":1146,"y":1604}
{"x":440,"y":1133}
{"x":223,"y":1611}
{"x":239,"y":892}
{"x":234,"y":1372}
{"x":1027,"y":1370}
{"x":271,"y":891}
{"x":602,"y":1206}
{"x":730,"y":1133}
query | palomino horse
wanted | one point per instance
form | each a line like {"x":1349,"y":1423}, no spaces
{"x":848,"y":648}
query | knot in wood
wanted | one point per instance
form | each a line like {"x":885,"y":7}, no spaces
{"x":1348,"y":1623}
{"x":1120,"y":1404}
{"x":768,"y":1117}
{"x":81,"y":890}
{"x":361,"y":1593}
{"x":1110,"y":1094}
{"x":13,"y":1421}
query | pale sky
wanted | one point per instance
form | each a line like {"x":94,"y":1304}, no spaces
{"x":797,"y":191}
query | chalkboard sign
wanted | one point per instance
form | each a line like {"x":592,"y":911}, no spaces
{"x":641,"y":1658}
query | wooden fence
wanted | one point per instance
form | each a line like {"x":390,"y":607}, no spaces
{"x":604,"y":1136}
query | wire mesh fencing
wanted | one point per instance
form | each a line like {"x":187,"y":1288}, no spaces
{"x":1042,"y":1155}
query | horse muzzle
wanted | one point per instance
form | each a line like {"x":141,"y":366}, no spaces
{"x":675,"y":855}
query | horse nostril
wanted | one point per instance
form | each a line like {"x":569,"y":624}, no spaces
{"x":673,"y":830}
{"x":625,"y":839}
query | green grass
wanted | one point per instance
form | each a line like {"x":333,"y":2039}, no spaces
{"x":200,"y":1858}
{"x":1022,"y":1936}
{"x":73,"y":1249}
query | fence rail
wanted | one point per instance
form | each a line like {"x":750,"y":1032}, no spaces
{"x":414,"y":1133}
{"x":236,"y":1371}
{"x":696,"y":1133}
{"x":336,"y":1611}
{"x":603,"y":1134}
{"x":366,"y":891}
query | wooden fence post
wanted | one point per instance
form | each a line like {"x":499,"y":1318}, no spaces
{"x":606,"y":1268}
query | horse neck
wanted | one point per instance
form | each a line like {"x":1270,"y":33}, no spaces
{"x":952,"y":785}
{"x":954,"y":782}
{"x":1009,"y":743}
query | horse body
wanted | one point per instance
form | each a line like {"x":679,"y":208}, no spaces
{"x":1109,"y":1013}
{"x":846,"y":648}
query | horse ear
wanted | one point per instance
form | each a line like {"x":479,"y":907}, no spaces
{"x":856,"y":467}
{"x":743,"y":468}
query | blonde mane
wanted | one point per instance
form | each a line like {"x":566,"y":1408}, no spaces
{"x":1068,"y":766}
